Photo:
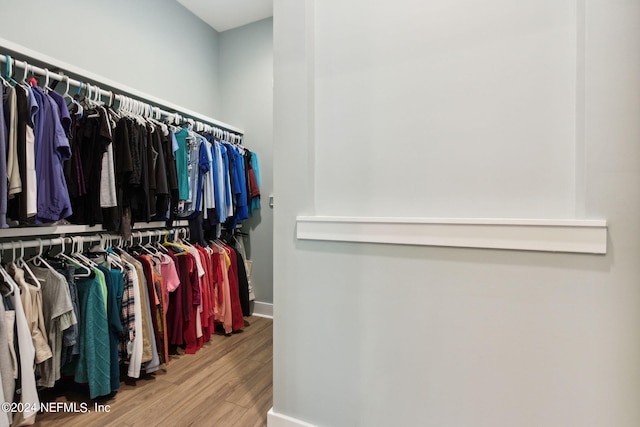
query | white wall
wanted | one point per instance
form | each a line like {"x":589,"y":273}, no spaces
{"x":155,"y":46}
{"x":465,"y":106}
{"x":246,"y":87}
{"x":509,"y":108}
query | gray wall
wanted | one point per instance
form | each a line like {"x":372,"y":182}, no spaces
{"x":503,"y":108}
{"x":155,"y":46}
{"x":246,"y":86}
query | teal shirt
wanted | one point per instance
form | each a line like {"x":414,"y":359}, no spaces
{"x":182,"y":164}
{"x":93,"y":364}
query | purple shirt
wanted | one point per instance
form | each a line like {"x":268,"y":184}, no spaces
{"x":52,"y":149}
{"x":63,"y":112}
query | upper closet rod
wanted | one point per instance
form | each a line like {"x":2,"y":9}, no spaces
{"x":143,"y":107}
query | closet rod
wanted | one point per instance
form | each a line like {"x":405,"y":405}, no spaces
{"x":175,"y":116}
{"x":58,"y":241}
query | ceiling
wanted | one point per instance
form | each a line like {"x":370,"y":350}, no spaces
{"x":224,"y":15}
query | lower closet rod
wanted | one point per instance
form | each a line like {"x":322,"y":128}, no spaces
{"x":58,"y":241}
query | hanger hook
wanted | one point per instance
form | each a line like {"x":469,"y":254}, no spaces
{"x":46,"y":78}
{"x":66,"y":80}
{"x":26,"y":71}
{"x":40,"y":250}
{"x":8,"y":67}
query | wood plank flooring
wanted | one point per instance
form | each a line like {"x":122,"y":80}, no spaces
{"x":226,"y":383}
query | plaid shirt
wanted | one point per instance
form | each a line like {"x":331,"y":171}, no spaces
{"x":127,"y":314}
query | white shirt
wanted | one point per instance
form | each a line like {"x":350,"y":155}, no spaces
{"x":108,"y":198}
{"x":29,"y":393}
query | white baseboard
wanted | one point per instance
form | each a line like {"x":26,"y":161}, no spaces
{"x":262,"y":309}
{"x":275,"y":419}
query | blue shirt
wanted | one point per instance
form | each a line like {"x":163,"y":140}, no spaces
{"x":242,"y":210}
{"x":228,"y":197}
{"x":218,"y":181}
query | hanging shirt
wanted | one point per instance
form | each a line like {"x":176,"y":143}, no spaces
{"x":182,"y":164}
{"x":114,"y":281}
{"x":175,"y":315}
{"x":52,"y":149}
{"x":208,"y":186}
{"x":204,"y":167}
{"x":32,"y":180}
{"x":93,"y":366}
{"x":57,"y":309}
{"x":155,"y":320}
{"x":133,"y":345}
{"x":31,"y":298}
{"x":254,"y":174}
{"x":71,"y":336}
{"x":240,"y":189}
{"x":29,"y":393}
{"x":3,"y":169}
{"x":143,"y":315}
{"x":17,"y":208}
{"x":6,"y":374}
{"x":162,"y":182}
{"x":108,"y":198}
{"x":189,"y":282}
{"x":228,"y":194}
{"x":64,"y":116}
{"x":223,"y":297}
{"x":218,"y":181}
{"x":13,"y":170}
{"x":194,"y":162}
{"x":234,"y":288}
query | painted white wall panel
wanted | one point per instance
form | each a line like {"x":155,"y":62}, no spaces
{"x":445,"y":109}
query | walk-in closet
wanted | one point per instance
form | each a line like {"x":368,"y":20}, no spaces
{"x":134,"y":218}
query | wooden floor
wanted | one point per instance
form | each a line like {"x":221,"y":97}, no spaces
{"x":226,"y":383}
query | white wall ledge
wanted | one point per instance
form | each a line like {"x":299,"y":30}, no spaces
{"x":550,"y":235}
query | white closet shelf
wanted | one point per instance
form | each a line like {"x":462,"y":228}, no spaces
{"x":587,"y":236}
{"x":45,"y":230}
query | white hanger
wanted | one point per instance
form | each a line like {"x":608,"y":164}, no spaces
{"x":38,"y":259}
{"x":46,"y":80}
{"x":24,"y":81}
{"x":23,"y":265}
{"x":98,"y":96}
{"x":9,"y":281}
{"x":87,"y":271}
{"x":77,"y":254}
